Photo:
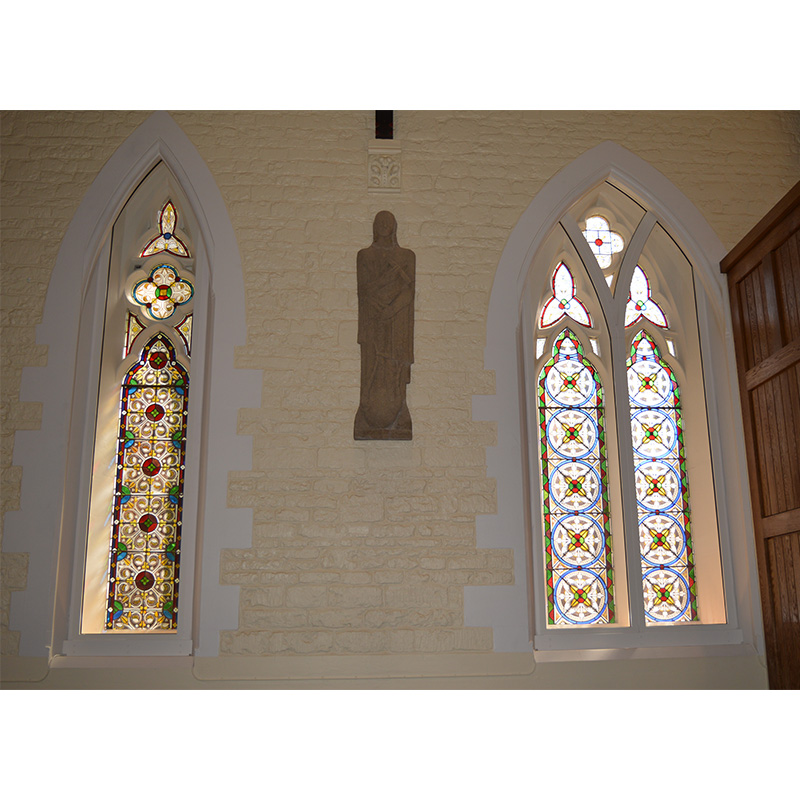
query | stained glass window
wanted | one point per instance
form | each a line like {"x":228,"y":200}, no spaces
{"x":146,"y":524}
{"x":563,"y":301}
{"x":577,"y":531}
{"x":662,"y":491}
{"x":131,"y":582}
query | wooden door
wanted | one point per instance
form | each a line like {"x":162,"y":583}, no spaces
{"x":764,"y":281}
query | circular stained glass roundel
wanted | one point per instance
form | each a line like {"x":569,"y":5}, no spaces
{"x":666,"y":595}
{"x":575,"y":486}
{"x":649,"y":384}
{"x":658,"y":486}
{"x":155,"y":412}
{"x":578,"y":541}
{"x":570,"y":383}
{"x":661,"y":539}
{"x":581,"y":596}
{"x":654,"y":434}
{"x":572,"y":433}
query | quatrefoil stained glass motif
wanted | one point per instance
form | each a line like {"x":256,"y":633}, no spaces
{"x":603,"y":241}
{"x":162,"y":292}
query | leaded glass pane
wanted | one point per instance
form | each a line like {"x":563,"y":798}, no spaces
{"x":564,"y":301}
{"x":603,"y":242}
{"x":148,"y":496}
{"x":662,"y":491}
{"x":577,"y":530}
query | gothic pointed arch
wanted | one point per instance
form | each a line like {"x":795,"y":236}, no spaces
{"x":625,"y":250}
{"x":56,"y":459}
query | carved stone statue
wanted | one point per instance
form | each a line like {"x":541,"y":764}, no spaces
{"x":386,"y":276}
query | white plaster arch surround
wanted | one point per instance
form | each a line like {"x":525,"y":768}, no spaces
{"x":45,"y":524}
{"x":508,"y":609}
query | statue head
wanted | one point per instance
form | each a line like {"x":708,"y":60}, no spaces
{"x":384,"y":228}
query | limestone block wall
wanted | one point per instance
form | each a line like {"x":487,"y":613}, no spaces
{"x":358,"y":547}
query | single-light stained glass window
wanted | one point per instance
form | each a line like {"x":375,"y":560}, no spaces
{"x":577,"y":531}
{"x":146,"y":526}
{"x":662,"y":490}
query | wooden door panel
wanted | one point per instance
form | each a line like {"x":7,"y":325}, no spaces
{"x":776,"y":418}
{"x":783,"y":563}
{"x":764,"y":282}
{"x":787,"y":273}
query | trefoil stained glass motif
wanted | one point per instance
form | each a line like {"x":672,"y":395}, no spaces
{"x":563,"y":301}
{"x":166,"y":240}
{"x":640,"y":304}
{"x":602,"y":240}
{"x":662,"y":491}
{"x":578,"y":563}
{"x":148,"y":497}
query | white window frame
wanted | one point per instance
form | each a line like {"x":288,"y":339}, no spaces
{"x":59,"y":455}
{"x":517,"y":614}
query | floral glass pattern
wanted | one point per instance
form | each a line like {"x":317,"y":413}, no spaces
{"x":166,"y":240}
{"x":640,"y":303}
{"x":162,"y":292}
{"x":184,"y":328}
{"x":602,"y":240}
{"x":563,"y":302}
{"x":146,"y":526}
{"x":133,"y":328}
{"x":662,"y":490}
{"x":578,"y":563}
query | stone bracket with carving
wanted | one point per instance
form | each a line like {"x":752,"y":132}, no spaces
{"x":383,"y":167}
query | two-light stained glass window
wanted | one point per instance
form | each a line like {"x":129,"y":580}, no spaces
{"x":132,"y":574}
{"x":579,"y":530}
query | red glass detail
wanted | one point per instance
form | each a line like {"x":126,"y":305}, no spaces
{"x":598,"y":242}
{"x":148,"y":523}
{"x":163,"y":292}
{"x":155,"y":412}
{"x":144,"y":580}
{"x":158,"y":360}
{"x":151,"y":467}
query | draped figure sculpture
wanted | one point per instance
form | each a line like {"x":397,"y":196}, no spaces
{"x":386,"y":276}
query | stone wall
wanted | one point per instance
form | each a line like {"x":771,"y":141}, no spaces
{"x":358,"y":547}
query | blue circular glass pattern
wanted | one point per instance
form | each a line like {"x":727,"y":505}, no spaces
{"x":578,"y":485}
{"x":572,"y":433}
{"x":664,"y":527}
{"x":577,"y":541}
{"x":662,"y":581}
{"x":582,"y":582}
